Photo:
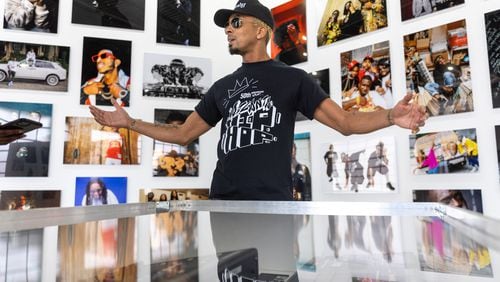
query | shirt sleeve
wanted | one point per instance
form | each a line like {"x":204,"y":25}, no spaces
{"x":207,"y":108}
{"x":310,"y":96}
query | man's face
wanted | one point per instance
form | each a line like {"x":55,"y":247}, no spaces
{"x":105,"y":61}
{"x":447,"y":197}
{"x":367,"y":64}
{"x":241,"y":34}
{"x":384,"y":70}
{"x":22,"y":200}
{"x":95,"y":191}
{"x":354,"y":72}
{"x":364,"y":87}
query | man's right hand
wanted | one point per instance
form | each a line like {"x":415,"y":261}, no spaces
{"x":119,"y":118}
{"x":9,"y":135}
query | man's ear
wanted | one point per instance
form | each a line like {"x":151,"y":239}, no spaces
{"x":261,"y":32}
{"x":117,"y":62}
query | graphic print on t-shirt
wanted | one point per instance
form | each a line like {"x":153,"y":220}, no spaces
{"x":251,"y":118}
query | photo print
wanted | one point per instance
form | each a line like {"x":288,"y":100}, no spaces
{"x":453,"y":151}
{"x":344,"y":19}
{"x":98,"y":191}
{"x":110,"y":13}
{"x":88,"y":142}
{"x":29,"y":199}
{"x":492,"y":20}
{"x":289,"y":44}
{"x":178,"y":22}
{"x":322,"y":78}
{"x":172,"y":159}
{"x":444,"y":248}
{"x":417,"y":8}
{"x":497,"y":135}
{"x":31,"y":15}
{"x":32,"y":66}
{"x":181,"y":194}
{"x":176,"y":76}
{"x":301,"y":163}
{"x":360,"y":166}
{"x":366,"y":78}
{"x":105,"y":71}
{"x":28,"y":156}
{"x":438,"y":69}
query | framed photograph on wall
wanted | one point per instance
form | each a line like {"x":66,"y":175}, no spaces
{"x":289,"y":44}
{"x":322,"y":78}
{"x":411,"y":9}
{"x":467,"y":199}
{"x":29,"y":199}
{"x":172,"y":159}
{"x":176,"y":76}
{"x":178,"y":22}
{"x":301,"y":164}
{"x":438,"y":69}
{"x":33,"y":66}
{"x":88,"y":142}
{"x":28,"y":156}
{"x":110,"y":13}
{"x":360,"y":166}
{"x":105,"y":71}
{"x":366,"y":78}
{"x":453,"y":151}
{"x":97,"y":191}
{"x":492,"y":20}
{"x":31,"y":15}
{"x":172,"y":194}
{"x":343,"y":19}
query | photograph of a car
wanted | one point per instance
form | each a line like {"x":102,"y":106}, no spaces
{"x":51,"y":72}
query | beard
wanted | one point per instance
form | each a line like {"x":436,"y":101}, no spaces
{"x":234,"y":51}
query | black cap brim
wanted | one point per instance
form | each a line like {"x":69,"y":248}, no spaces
{"x":222,"y":16}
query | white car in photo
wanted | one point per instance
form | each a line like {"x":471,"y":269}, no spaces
{"x":50,"y":72}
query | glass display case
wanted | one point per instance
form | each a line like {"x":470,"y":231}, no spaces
{"x":249,"y":241}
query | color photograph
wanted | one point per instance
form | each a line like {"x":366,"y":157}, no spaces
{"x":301,"y":163}
{"x":492,"y":20}
{"x":453,"y":151}
{"x":178,"y":22}
{"x":87,"y":142}
{"x":98,"y":191}
{"x":344,"y":19}
{"x":181,"y":194}
{"x":289,"y":44}
{"x":31,"y":15}
{"x":438,"y":69}
{"x":411,"y":9}
{"x":105,"y":71}
{"x":360,"y":166}
{"x":366,"y":78}
{"x":29,"y":199}
{"x":170,"y":159}
{"x":27,"y":156}
{"x":110,"y":13}
{"x":32,"y":66}
{"x":176,"y":76}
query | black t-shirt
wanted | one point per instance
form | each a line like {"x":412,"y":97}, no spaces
{"x":257,"y":104}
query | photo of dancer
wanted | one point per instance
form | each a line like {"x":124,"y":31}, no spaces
{"x":105,"y":71}
{"x":110,"y":13}
{"x":178,"y":22}
{"x":176,"y":76}
{"x":172,"y":159}
{"x":290,"y":35}
{"x":97,"y":191}
{"x":31,"y":15}
{"x":360,"y":167}
{"x":453,"y":151}
{"x":301,"y":163}
{"x":366,"y":78}
{"x":411,"y":9}
{"x":438,"y":69}
{"x":492,"y":20}
{"x":344,"y":19}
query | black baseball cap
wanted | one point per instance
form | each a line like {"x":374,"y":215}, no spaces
{"x":245,"y":7}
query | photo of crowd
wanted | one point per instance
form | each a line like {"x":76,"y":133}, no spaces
{"x":344,"y":19}
{"x":172,"y":159}
{"x":180,"y":194}
{"x":438,"y":69}
{"x":98,"y":191}
{"x":105,"y":71}
{"x":417,"y":8}
{"x":441,"y":246}
{"x":492,"y":20}
{"x":366,"y":78}
{"x":360,"y":167}
{"x":111,"y":13}
{"x":29,"y":199}
{"x":31,"y":15}
{"x":453,"y":151}
{"x":178,"y":22}
{"x":88,"y":142}
{"x":176,"y":76}
{"x":29,"y":155}
{"x":301,"y":163}
{"x":289,"y":44}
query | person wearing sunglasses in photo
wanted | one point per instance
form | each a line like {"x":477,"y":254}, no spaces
{"x":257,"y":105}
{"x":110,"y":82}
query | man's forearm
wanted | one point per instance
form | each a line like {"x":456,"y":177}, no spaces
{"x":361,"y":122}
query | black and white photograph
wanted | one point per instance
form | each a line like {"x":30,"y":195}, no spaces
{"x":110,"y":13}
{"x":178,"y":22}
{"x":31,"y":15}
{"x":176,"y":76}
{"x":411,"y":9}
{"x":492,"y":20}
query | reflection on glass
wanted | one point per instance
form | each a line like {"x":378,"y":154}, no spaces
{"x":21,"y":255}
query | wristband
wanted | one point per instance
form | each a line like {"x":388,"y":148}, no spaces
{"x":389,"y":117}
